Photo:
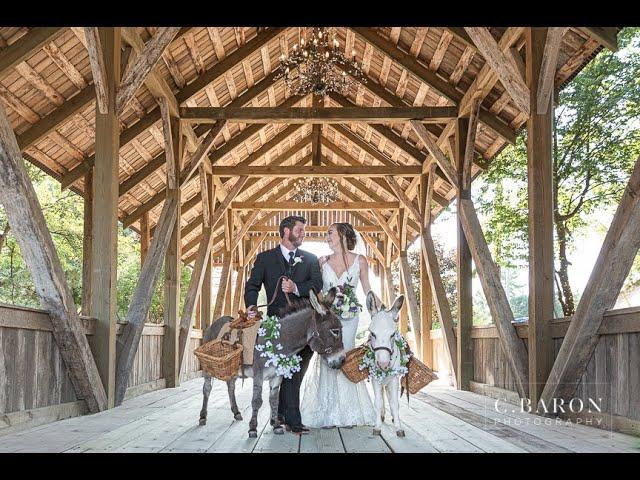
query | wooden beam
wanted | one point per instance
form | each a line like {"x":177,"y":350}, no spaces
{"x":540,"y":201}
{"x":426,"y":302}
{"x":391,"y":235}
{"x":170,"y":361}
{"x":404,"y":199}
{"x":546,"y":80}
{"x":606,"y":36}
{"x":464,"y":270}
{"x":310,"y":206}
{"x":502,"y":66}
{"x":313,"y":171}
{"x":434,"y":150}
{"x":614,"y":262}
{"x":136,"y":75}
{"x":87,"y":241}
{"x":226,"y":203}
{"x":138,"y":311}
{"x":440,"y":298}
{"x":195,"y":286}
{"x":98,"y":67}
{"x":512,"y":347}
{"x":219,"y":69}
{"x":105,"y":216}
{"x":412,"y":302}
{"x":26,"y":46}
{"x":29,"y":227}
{"x":170,"y":161}
{"x":318,"y":114}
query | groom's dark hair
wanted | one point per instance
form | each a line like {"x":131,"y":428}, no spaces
{"x":290,"y":222}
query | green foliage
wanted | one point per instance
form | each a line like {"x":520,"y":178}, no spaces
{"x":63,"y":213}
{"x":596,"y":143}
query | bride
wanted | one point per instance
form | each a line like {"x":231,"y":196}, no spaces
{"x":330,"y":399}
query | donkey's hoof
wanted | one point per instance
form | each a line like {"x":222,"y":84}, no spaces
{"x":400,"y":433}
{"x":203,"y":421}
{"x":238,"y":416}
{"x":377,"y":432}
{"x":278,"y":430}
{"x":253,"y":434}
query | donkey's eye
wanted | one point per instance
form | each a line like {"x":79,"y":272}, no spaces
{"x":373,"y":334}
{"x":335,"y":332}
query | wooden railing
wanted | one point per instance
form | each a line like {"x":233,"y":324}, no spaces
{"x":34,"y":385}
{"x":612,"y":374}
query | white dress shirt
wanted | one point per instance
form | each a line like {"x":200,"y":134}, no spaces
{"x":285,"y":253}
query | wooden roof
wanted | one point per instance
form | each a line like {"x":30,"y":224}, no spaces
{"x":51,"y":102}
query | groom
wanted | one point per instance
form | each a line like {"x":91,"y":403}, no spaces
{"x":302,"y":273}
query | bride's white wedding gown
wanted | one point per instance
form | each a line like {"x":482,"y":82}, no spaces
{"x":329,"y":398}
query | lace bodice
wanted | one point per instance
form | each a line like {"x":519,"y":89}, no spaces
{"x":351,"y":275}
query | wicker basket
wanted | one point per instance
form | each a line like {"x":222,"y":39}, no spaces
{"x":351,"y":363}
{"x":220,"y":359}
{"x":419,"y":376}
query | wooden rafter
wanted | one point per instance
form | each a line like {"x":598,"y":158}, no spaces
{"x":315,"y":171}
{"x":548,"y":68}
{"x":505,"y":69}
{"x":136,"y":74}
{"x":311,"y":206}
{"x":32,"y":41}
{"x":318,"y":115}
{"x":98,"y":70}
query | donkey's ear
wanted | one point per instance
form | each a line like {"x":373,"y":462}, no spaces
{"x":317,"y":306}
{"x":397,"y":305}
{"x":330,"y":296}
{"x":372,"y":303}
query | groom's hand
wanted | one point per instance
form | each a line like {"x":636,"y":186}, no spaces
{"x":288,"y":286}
{"x":252,"y":312}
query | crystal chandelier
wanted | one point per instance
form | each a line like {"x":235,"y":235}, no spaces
{"x":316,"y":190}
{"x":312,"y":66}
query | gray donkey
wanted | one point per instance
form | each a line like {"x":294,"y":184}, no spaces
{"x":306,"y":322}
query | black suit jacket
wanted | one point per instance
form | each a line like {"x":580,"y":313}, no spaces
{"x":270,"y":265}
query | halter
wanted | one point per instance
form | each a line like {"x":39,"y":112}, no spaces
{"x":390,"y":350}
{"x":315,"y":335}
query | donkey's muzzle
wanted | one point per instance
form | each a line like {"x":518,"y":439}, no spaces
{"x":337,"y":360}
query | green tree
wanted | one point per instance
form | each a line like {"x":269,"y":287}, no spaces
{"x":595,"y":144}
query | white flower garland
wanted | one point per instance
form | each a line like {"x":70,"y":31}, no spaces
{"x":285,"y":366}
{"x":375,"y":372}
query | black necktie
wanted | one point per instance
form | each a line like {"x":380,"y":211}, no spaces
{"x":291,"y":254}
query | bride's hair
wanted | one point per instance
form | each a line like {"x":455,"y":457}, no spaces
{"x":347,"y":235}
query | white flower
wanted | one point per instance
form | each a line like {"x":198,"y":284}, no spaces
{"x":260,"y":348}
{"x":262,"y":332}
{"x":279,"y":346}
{"x":297,"y":260}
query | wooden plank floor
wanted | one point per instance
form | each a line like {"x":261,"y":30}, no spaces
{"x":438,"y":419}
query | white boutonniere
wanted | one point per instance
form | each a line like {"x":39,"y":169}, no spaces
{"x":297,"y":260}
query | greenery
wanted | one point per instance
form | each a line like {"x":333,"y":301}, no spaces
{"x":596,"y":142}
{"x":63,"y":212}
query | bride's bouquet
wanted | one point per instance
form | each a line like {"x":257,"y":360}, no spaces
{"x":346,"y":304}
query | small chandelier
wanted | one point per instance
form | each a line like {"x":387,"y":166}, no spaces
{"x":312,"y":66}
{"x":316,"y":190}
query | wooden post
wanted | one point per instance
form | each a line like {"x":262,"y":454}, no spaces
{"x":145,"y":237}
{"x":28,"y":224}
{"x":105,"y":218}
{"x":170,"y":352}
{"x":464,"y":269}
{"x":404,"y":317}
{"x":205,"y":297}
{"x":540,"y":175}
{"x":87,"y":241}
{"x":425,"y":313}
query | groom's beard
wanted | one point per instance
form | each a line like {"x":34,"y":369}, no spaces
{"x":295,"y":241}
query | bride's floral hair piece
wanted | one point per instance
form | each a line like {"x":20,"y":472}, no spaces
{"x":347,"y":235}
